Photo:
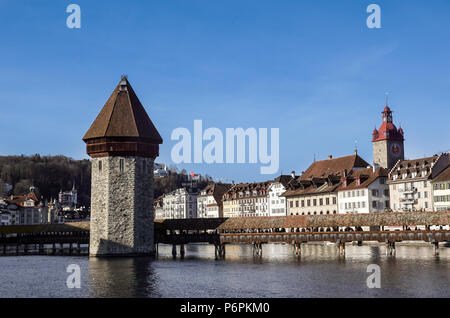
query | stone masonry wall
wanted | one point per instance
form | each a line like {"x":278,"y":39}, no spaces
{"x":122,"y":206}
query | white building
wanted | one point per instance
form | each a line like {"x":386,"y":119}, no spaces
{"x":441,"y":191}
{"x":410,"y":182}
{"x":209,"y":201}
{"x":365,"y":191}
{"x":180,"y":204}
{"x":68,"y":199}
{"x":277,"y":203}
{"x":158,"y":205}
{"x":160,"y":170}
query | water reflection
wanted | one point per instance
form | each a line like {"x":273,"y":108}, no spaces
{"x":122,"y":277}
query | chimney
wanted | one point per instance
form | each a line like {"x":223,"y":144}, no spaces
{"x":375,"y":167}
{"x":293,"y":174}
{"x":345,"y":173}
{"x":330,"y":157}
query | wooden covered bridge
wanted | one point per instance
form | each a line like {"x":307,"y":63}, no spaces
{"x":432,"y":227}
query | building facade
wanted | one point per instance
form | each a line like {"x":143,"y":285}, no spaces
{"x":314,"y":192}
{"x":410,"y":182}
{"x":365,"y":191}
{"x":210,"y":200}
{"x":160,"y":171}
{"x":441,"y":191}
{"x":180,"y":204}
{"x":246,"y":199}
{"x":68,"y":199}
{"x":277,"y":203}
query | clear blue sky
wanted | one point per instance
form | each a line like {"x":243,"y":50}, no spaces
{"x":311,"y":68}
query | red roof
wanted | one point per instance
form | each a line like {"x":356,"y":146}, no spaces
{"x":387,"y":130}
{"x":323,"y":168}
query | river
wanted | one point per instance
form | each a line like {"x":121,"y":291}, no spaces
{"x":319,"y":272}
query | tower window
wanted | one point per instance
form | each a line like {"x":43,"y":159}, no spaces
{"x":121,"y":164}
{"x":144,"y":166}
{"x":100,"y":165}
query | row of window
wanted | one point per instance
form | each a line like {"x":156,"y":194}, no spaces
{"x":313,"y":201}
{"x":442,"y":198}
{"x":404,"y":186}
{"x":413,"y":175}
{"x":277,"y":201}
{"x":257,"y":200}
{"x":315,"y":213}
{"x":441,"y":186}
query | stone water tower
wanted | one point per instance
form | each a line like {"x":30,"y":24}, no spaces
{"x":123,"y":144}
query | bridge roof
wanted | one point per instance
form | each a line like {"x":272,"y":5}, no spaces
{"x":42,"y":228}
{"x":334,"y":220}
{"x":188,"y":224}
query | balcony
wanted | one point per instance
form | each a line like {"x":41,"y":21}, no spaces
{"x":408,"y":190}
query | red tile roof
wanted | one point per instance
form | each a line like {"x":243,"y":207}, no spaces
{"x":366,"y":176}
{"x":323,"y":168}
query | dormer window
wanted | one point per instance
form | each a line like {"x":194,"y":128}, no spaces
{"x":414,"y":174}
{"x":395,"y":176}
{"x":424,"y":173}
{"x":404,"y":175}
{"x":358,"y":181}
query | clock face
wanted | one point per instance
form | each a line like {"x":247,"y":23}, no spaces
{"x":395,"y":149}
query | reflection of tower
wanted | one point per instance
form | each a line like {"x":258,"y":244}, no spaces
{"x":387,"y":142}
{"x":123,"y":144}
{"x":122,"y":277}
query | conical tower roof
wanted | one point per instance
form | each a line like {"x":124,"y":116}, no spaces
{"x":123,"y":128}
{"x":123,"y":116}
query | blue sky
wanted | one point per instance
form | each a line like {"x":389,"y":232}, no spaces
{"x":310,"y":68}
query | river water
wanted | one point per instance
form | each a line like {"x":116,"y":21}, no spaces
{"x":320,"y":272}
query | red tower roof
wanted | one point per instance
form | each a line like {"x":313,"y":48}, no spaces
{"x":387,"y":130}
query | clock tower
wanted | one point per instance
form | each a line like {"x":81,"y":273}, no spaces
{"x":387,"y":142}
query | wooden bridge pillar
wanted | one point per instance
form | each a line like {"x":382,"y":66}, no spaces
{"x":25,"y":248}
{"x":219,"y":250}
{"x":257,"y":249}
{"x":436,"y":248}
{"x":341,"y":247}
{"x":4,"y":248}
{"x":61,"y":251}
{"x":17,"y":249}
{"x":298,"y":249}
{"x":70,"y":248}
{"x":174,"y":250}
{"x":41,"y":249}
{"x":54,"y":249}
{"x":182,"y":250}
{"x":78,"y":248}
{"x":390,"y":248}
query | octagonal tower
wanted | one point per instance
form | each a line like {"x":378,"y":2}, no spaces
{"x":123,"y":144}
